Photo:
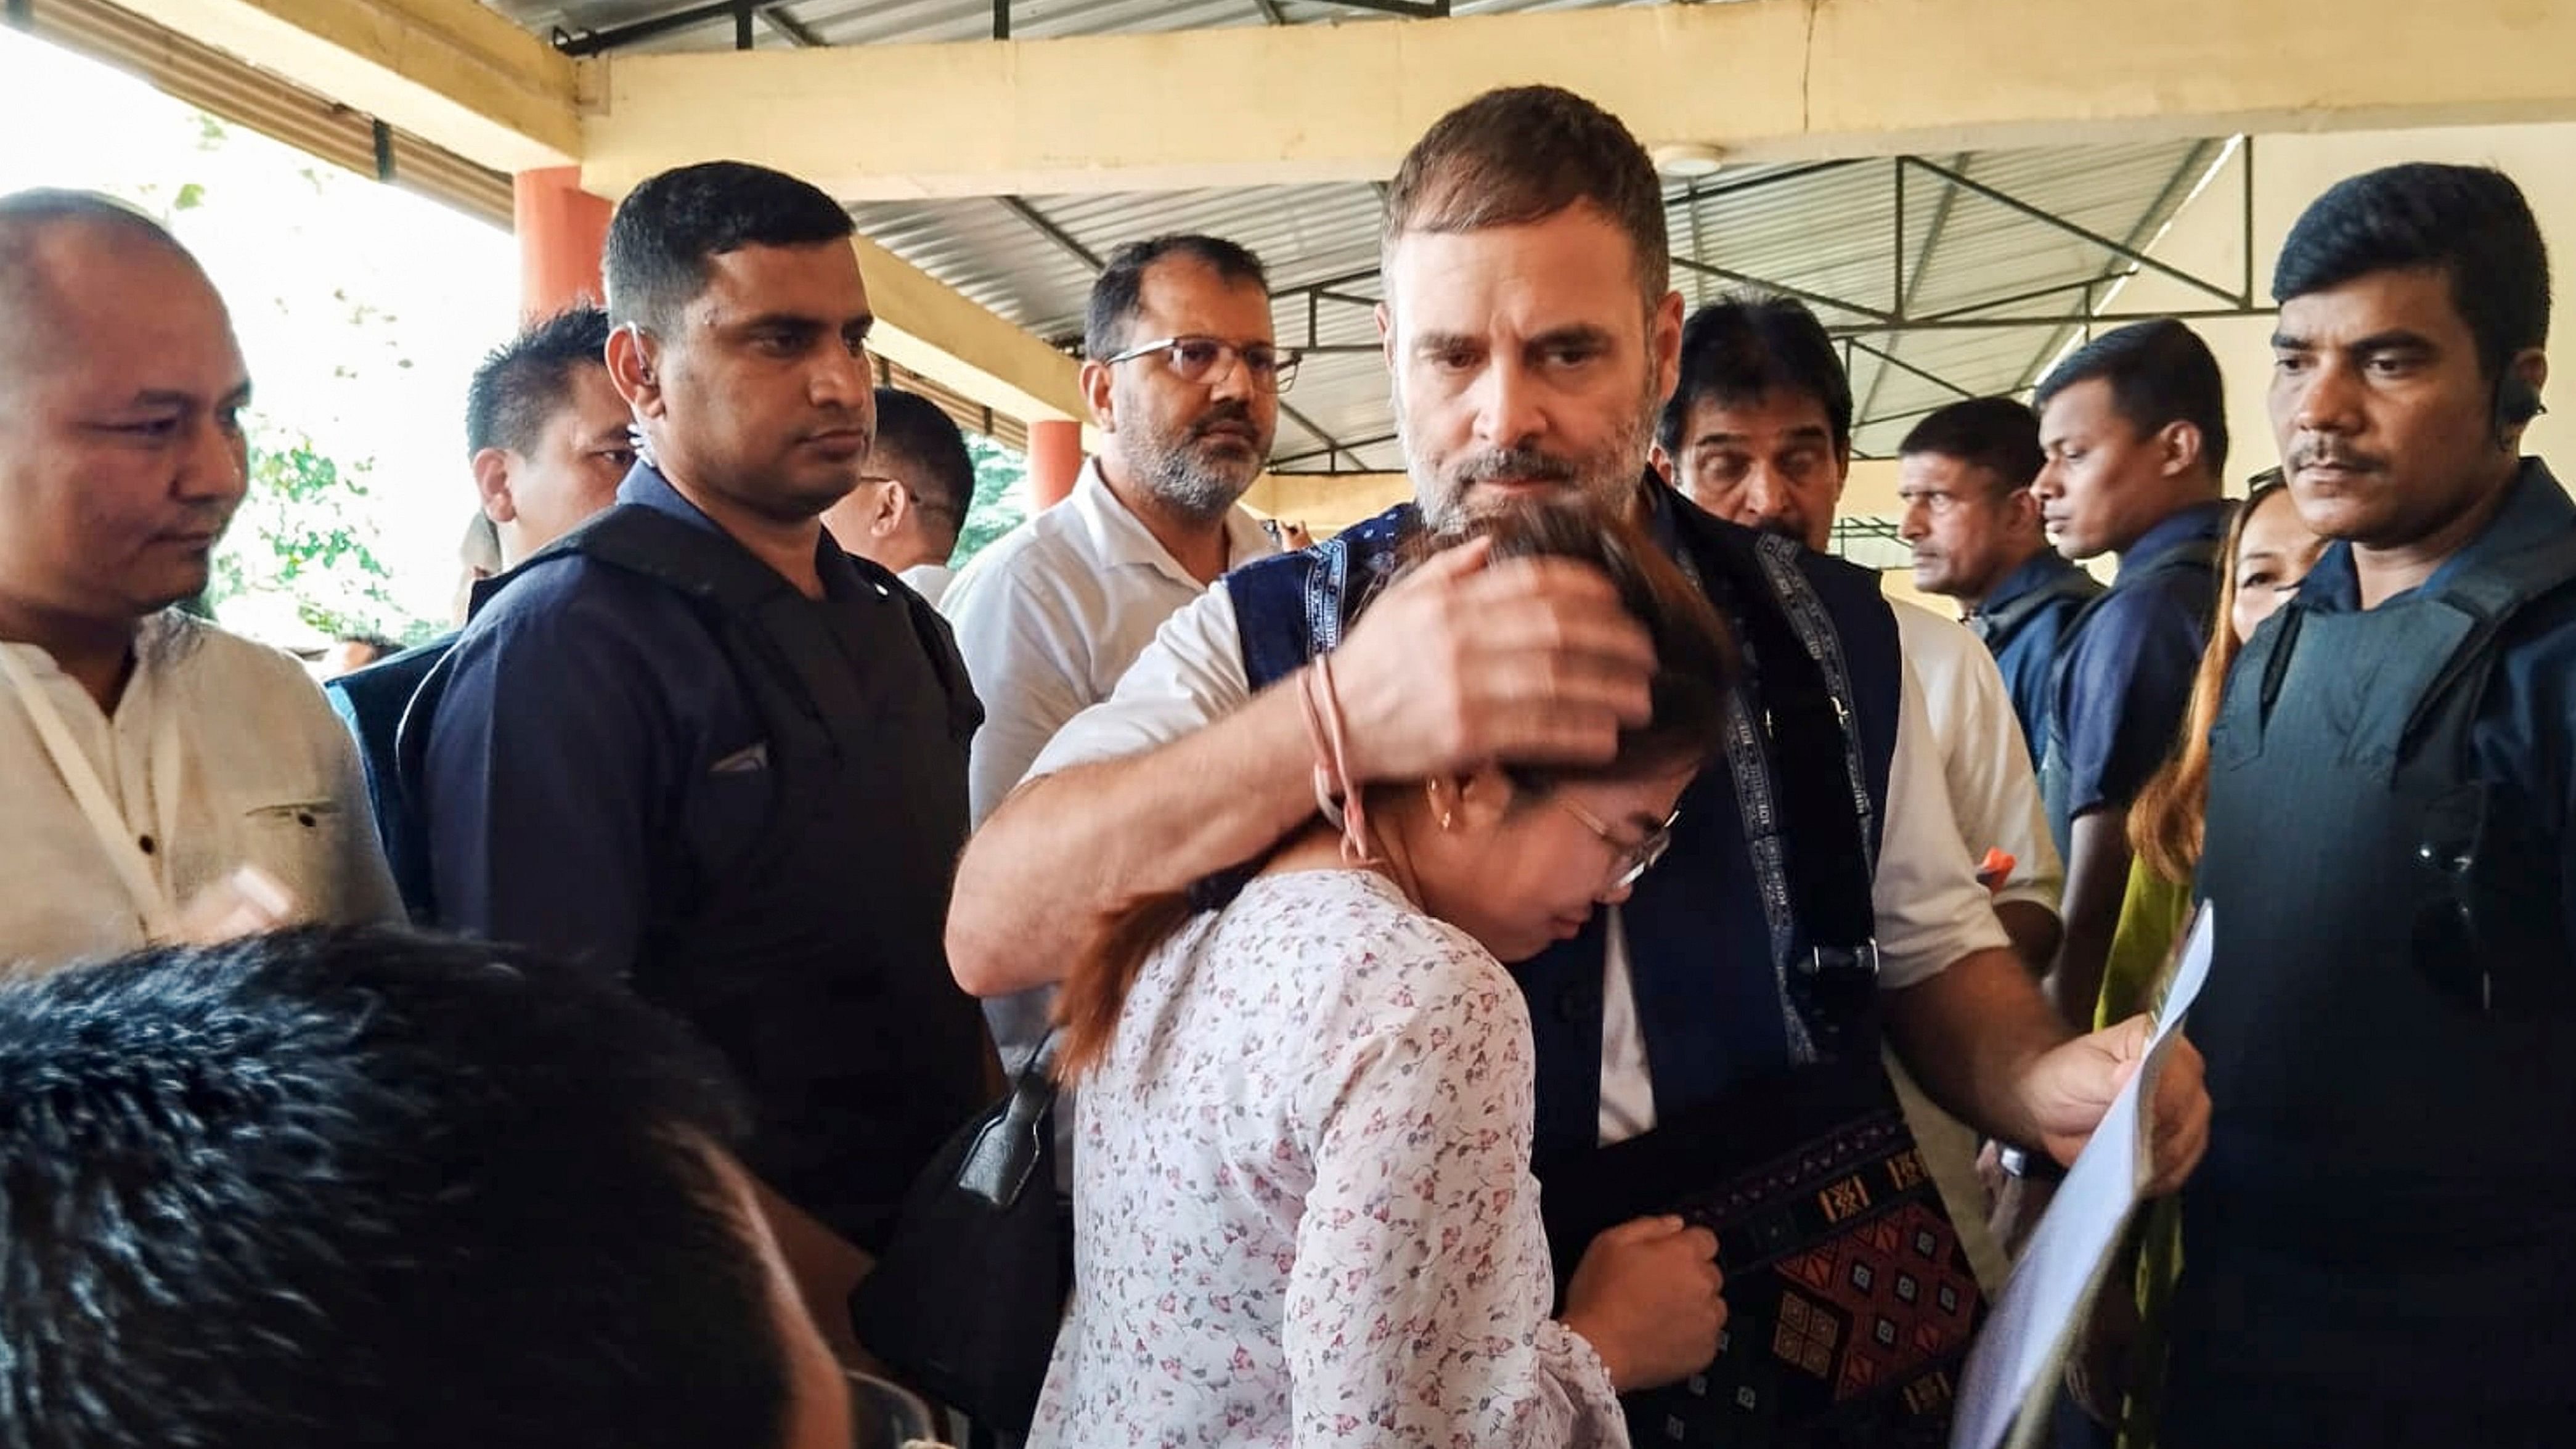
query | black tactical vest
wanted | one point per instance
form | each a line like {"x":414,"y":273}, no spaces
{"x":2388,"y":1207}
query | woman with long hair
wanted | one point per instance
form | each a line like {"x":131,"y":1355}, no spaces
{"x":1304,"y":1210}
{"x":2269,"y":549}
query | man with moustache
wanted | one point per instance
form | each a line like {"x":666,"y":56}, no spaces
{"x":1964,"y":475}
{"x":145,"y":755}
{"x":2382,"y":1250}
{"x":1183,"y":381}
{"x":1533,"y":338}
{"x":697,"y":746}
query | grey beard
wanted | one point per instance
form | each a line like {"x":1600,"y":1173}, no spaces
{"x":1178,"y":484}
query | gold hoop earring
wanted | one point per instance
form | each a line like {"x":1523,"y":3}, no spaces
{"x":1431,"y":795}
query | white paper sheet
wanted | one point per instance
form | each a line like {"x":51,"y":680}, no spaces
{"x":2015,"y":1365}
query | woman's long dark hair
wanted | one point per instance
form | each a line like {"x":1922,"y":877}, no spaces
{"x":1694,"y":660}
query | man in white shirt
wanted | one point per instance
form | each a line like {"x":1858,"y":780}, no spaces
{"x":1759,"y":429}
{"x":1534,"y":337}
{"x":1182,"y":380}
{"x":905,"y":513}
{"x":145,"y":756}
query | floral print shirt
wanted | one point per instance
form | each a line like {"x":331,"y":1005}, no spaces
{"x":1303,"y":1201}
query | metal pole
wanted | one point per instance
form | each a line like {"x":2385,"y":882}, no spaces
{"x":2246,"y":149}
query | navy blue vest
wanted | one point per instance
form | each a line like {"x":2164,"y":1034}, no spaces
{"x":1725,"y":971}
{"x":2388,"y":1205}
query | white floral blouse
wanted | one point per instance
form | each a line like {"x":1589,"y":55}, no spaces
{"x":1305,"y":1213}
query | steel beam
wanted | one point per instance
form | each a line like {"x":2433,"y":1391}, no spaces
{"x":2125,"y":251}
{"x":1046,"y":226}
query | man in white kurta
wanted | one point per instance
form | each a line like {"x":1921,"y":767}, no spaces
{"x":145,"y":757}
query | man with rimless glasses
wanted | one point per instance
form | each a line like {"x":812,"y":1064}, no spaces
{"x":1183,"y":382}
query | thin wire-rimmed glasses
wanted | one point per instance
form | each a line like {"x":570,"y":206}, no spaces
{"x":1634,"y":858}
{"x":1205,"y":359}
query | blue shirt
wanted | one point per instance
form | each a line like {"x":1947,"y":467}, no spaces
{"x":2123,"y":682}
{"x":2524,"y":736}
{"x":589,"y":722}
{"x":2028,"y":656}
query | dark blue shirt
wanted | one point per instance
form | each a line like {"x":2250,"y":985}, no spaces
{"x":2524,"y":736}
{"x":2028,"y":655}
{"x":2123,"y":680}
{"x":589,"y":723}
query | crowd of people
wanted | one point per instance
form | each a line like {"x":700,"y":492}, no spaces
{"x":1565,"y":961}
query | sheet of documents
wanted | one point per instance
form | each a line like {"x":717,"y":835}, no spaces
{"x":2020,"y":1354}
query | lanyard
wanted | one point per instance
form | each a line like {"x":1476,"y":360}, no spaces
{"x":152,"y":900}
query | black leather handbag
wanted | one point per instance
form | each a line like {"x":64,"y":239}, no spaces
{"x":967,"y":1297}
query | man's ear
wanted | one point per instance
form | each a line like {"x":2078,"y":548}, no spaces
{"x":1095,"y":380}
{"x":2021,"y":512}
{"x":633,"y":365}
{"x":492,"y":484}
{"x":2178,"y":444}
{"x":895,"y":505}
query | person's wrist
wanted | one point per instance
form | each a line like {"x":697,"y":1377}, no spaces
{"x":1577,"y":1322}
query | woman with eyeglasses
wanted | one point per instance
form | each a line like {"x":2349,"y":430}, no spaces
{"x":1304,"y":1210}
{"x":2269,"y":549}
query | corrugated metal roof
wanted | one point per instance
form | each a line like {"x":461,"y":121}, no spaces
{"x":900,"y":22}
{"x":1830,"y":232}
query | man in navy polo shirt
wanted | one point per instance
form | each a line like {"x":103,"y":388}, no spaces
{"x":697,"y":745}
{"x":1964,"y":475}
{"x":2381,"y":1250}
{"x":2135,"y":428}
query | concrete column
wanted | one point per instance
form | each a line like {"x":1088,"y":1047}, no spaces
{"x":561,"y":230}
{"x":1055,"y":456}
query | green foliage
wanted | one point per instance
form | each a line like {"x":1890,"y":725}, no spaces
{"x":1001,"y":497}
{"x":303,"y":535}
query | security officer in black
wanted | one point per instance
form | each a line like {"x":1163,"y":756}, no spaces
{"x":2380,"y":1248}
{"x":698,"y":745}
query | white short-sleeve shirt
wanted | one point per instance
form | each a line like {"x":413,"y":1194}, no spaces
{"x":1051,"y":615}
{"x":267,"y":777}
{"x":1931,"y":911}
{"x":1994,"y":793}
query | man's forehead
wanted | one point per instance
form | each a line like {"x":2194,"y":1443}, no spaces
{"x":1774,"y":415}
{"x":1575,"y":267}
{"x":2418,"y":299}
{"x":819,"y":282}
{"x":1179,"y":285}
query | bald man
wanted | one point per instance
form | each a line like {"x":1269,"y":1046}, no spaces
{"x":146,"y":757}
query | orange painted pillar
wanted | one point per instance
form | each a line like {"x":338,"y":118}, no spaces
{"x":1055,"y":456}
{"x":562,"y":230}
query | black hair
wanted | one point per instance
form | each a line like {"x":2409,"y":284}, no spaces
{"x":1119,"y":292}
{"x":662,"y":234}
{"x":2469,"y":222}
{"x":1993,"y":433}
{"x":913,"y":430}
{"x":525,"y":381}
{"x":333,"y":1187}
{"x":2159,"y":372}
{"x":1745,"y":345}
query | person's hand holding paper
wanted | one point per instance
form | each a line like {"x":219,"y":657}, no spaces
{"x":2067,"y":1091}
